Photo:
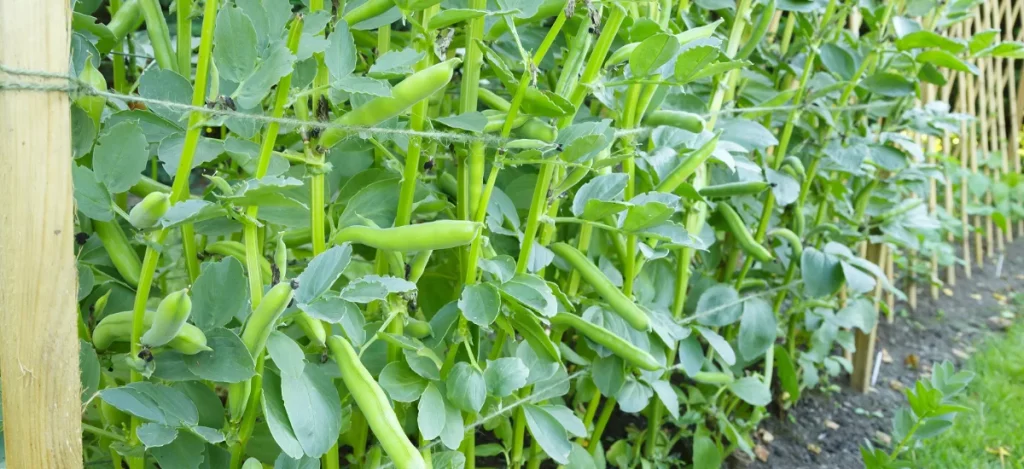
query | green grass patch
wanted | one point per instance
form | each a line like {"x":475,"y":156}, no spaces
{"x":997,"y":423}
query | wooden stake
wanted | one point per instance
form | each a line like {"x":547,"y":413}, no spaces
{"x":947,"y":148}
{"x":965,"y":144}
{"x":42,"y":405}
{"x":864,"y":356}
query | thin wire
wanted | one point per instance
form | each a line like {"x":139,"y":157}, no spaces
{"x":75,"y":86}
{"x":530,"y":398}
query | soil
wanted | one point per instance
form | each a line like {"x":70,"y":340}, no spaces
{"x":826,"y":429}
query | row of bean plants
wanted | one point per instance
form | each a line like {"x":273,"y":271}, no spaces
{"x":423,"y":233}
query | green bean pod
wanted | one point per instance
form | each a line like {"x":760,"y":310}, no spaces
{"x":798,"y":219}
{"x":743,"y":237}
{"x":417,"y":329}
{"x":536,"y":129}
{"x":170,"y":317}
{"x":733,"y":189}
{"x":791,"y":238}
{"x":404,"y":95}
{"x":860,"y":202}
{"x":620,"y":303}
{"x":713,"y":377}
{"x":678,"y":119}
{"x":749,"y":283}
{"x":796,"y":164}
{"x":124,"y":257}
{"x":767,"y":13}
{"x":690,"y":164}
{"x":257,"y":330}
{"x":117,"y":327}
{"x":369,"y":9}
{"x":375,"y":406}
{"x":147,"y":212}
{"x":432,"y":236}
{"x":607,"y":339}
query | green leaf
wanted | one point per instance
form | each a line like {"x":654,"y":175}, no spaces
{"x":568,"y":419}
{"x":474,"y":121}
{"x":171,"y":147}
{"x":649,"y":210}
{"x":693,"y":60}
{"x":396,"y":63}
{"x":190,"y":211}
{"x":153,"y":402}
{"x":888,"y":84}
{"x":431,"y":413}
{"x":600,"y":197}
{"x":314,"y":410}
{"x":822,"y":275}
{"x":228,"y":362}
{"x":748,"y":134}
{"x":370,"y":288}
{"x":286,"y":354}
{"x":941,"y":58}
{"x":691,"y":355}
{"x":719,"y":344}
{"x":401,"y":383}
{"x":186,"y":452}
{"x":219,"y":294}
{"x":322,"y":272}
{"x":272,"y":67}
{"x":166,"y":85}
{"x":153,"y":435}
{"x":757,"y":328}
{"x":454,"y":431}
{"x":89,"y":364}
{"x":234,"y":41}
{"x":838,"y":60}
{"x":752,"y":391}
{"x":787,"y":373}
{"x":277,"y":417}
{"x":505,"y":376}
{"x":580,"y":458}
{"x":718,"y":306}
{"x":532,"y":292}
{"x":633,"y":396}
{"x":284,"y":461}
{"x":376,"y":202}
{"x":502,"y":267}
{"x":363,"y":85}
{"x":548,"y":433}
{"x":120,"y":156}
{"x":652,"y":53}
{"x":83,"y":132}
{"x":91,"y":198}
{"x":667,"y":395}
{"x":211,"y":410}
{"x":338,"y":311}
{"x":466,"y":387}
{"x":927,"y":40}
{"x":480,"y":303}
{"x":609,"y":374}
{"x":706,"y":454}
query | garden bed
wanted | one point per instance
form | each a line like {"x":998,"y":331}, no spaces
{"x":945,"y":329}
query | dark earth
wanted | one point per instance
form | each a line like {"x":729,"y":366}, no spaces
{"x":838,"y":422}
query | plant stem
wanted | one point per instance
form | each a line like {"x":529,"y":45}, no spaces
{"x":159,"y":36}
{"x":184,"y":45}
{"x":602,"y":423}
{"x":103,"y":433}
{"x":179,"y":192}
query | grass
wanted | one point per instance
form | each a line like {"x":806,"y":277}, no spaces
{"x":997,"y":422}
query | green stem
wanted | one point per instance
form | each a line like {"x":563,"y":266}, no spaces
{"x":179,"y":192}
{"x":602,"y":423}
{"x":103,"y":433}
{"x":184,"y":46}
{"x":249,"y":417}
{"x":159,"y":36}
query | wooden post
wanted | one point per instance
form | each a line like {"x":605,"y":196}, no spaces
{"x":964,"y":147}
{"x":1015,"y":122}
{"x":947,"y":148}
{"x":933,"y":199}
{"x":38,"y":287}
{"x":864,"y":356}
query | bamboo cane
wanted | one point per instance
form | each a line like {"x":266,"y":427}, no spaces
{"x":864,"y":356}
{"x":42,"y":406}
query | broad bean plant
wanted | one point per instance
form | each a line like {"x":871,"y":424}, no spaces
{"x":425,"y":233}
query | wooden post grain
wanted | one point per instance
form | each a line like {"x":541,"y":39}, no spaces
{"x":42,"y":407}
{"x":864,"y":355}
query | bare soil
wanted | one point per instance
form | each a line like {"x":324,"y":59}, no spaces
{"x":826,"y":429}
